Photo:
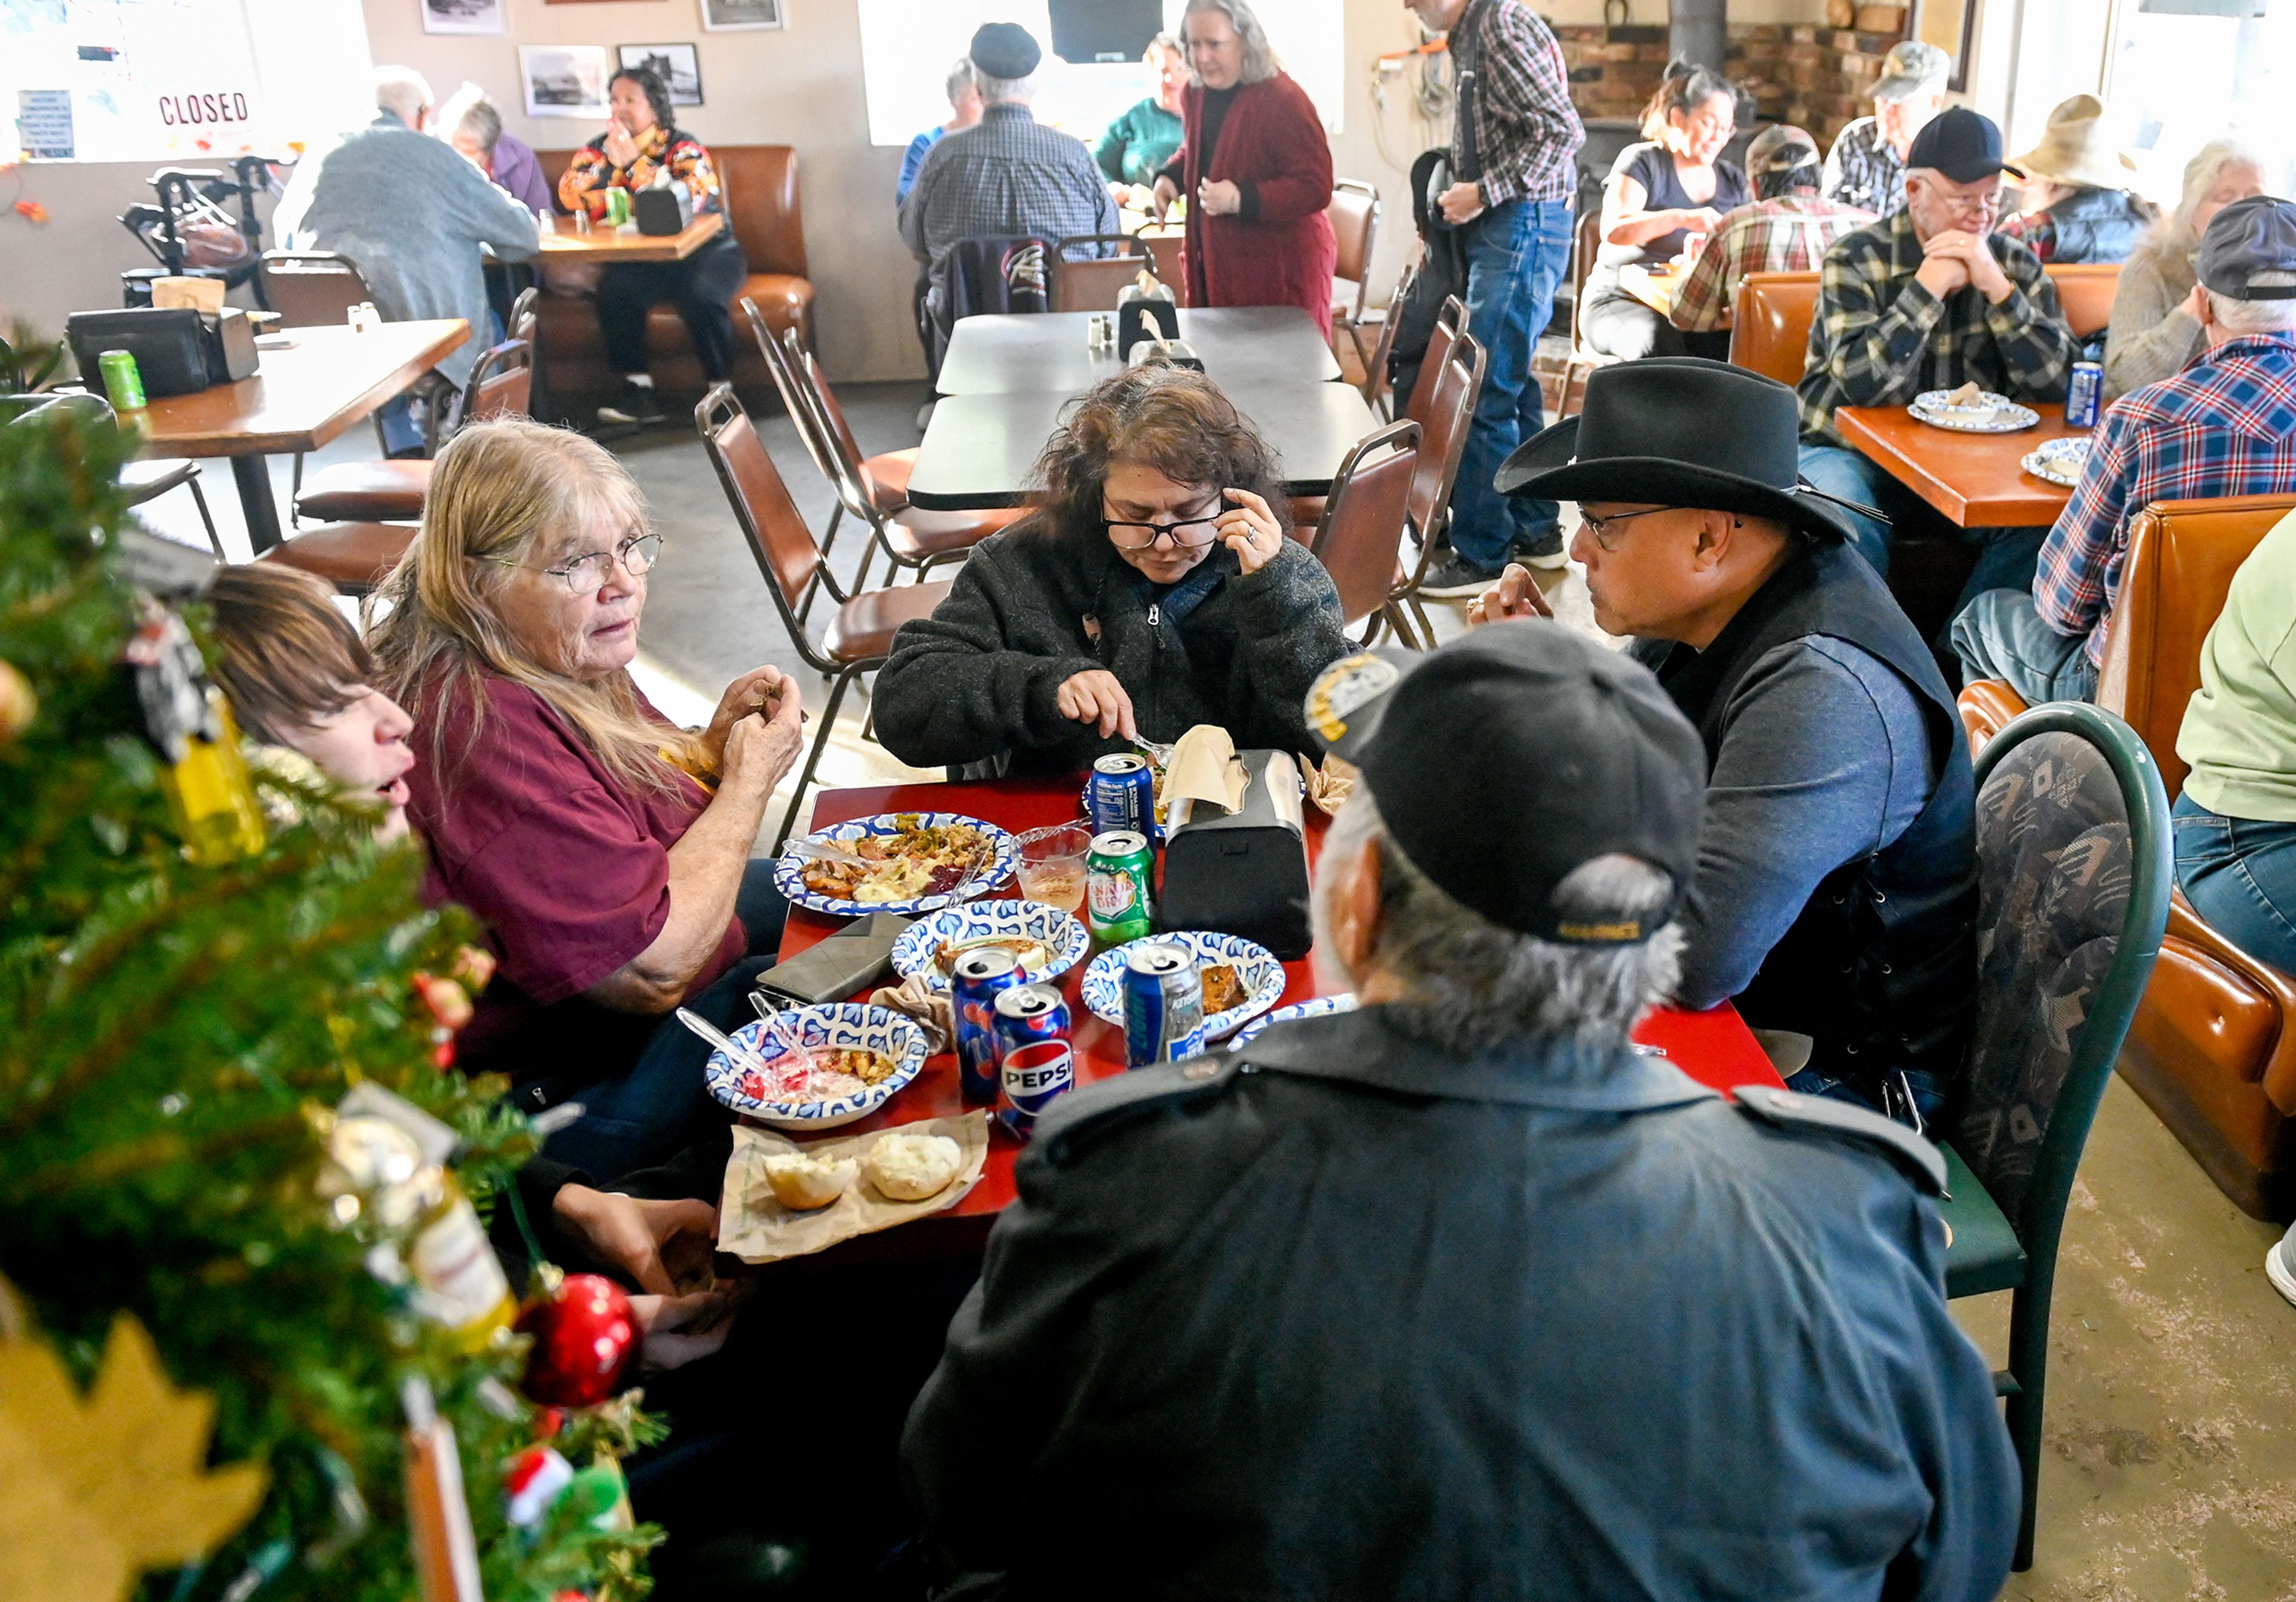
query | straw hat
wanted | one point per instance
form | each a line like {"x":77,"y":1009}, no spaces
{"x":2074,"y":148}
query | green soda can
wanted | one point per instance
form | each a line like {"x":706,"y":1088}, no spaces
{"x":122,"y":383}
{"x":618,"y":206}
{"x":1119,"y":876}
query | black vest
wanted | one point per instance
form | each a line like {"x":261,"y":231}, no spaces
{"x":1881,"y":969}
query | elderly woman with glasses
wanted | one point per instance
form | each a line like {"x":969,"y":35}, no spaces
{"x":1151,"y":588}
{"x":605,"y":850}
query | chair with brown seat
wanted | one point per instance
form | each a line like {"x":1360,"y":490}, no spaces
{"x":859,"y":637}
{"x":2213,"y":1049}
{"x":1091,"y":283}
{"x":2085,"y":292}
{"x":311,"y":289}
{"x":1361,"y":535}
{"x":1450,"y":322}
{"x":1378,"y":392}
{"x":1769,"y":323}
{"x":1354,"y":213}
{"x":1168,"y":249}
{"x":1586,"y":240}
{"x":501,"y":385}
{"x":1445,"y":418}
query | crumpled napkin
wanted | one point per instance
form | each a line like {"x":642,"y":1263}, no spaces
{"x":915,"y":998}
{"x":1204,"y":767}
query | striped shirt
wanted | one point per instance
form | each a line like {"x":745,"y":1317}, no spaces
{"x":1789,"y":234}
{"x":1527,"y":131}
{"x":1879,"y":337}
{"x":1864,"y":170}
{"x":2223,"y":426}
{"x":1006,"y":177}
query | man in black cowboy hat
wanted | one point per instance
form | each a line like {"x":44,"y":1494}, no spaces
{"x":1836,"y":890}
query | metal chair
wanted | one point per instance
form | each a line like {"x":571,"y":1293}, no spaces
{"x":311,"y":289}
{"x":2073,"y":853}
{"x":1361,"y":535}
{"x":1445,"y":416}
{"x":501,"y":385}
{"x":859,"y":637}
{"x":1092,"y":283}
{"x":1354,"y":212}
{"x":1378,"y":393}
{"x":144,"y":481}
{"x":1450,"y":323}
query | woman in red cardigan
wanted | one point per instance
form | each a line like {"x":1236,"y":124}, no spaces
{"x":1257,"y":162}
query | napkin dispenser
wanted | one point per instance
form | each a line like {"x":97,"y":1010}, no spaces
{"x":1145,"y":310}
{"x":665,"y":208}
{"x":1243,"y":872}
{"x":177,"y":350}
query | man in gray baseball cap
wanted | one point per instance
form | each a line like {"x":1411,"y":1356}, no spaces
{"x":1866,"y":168}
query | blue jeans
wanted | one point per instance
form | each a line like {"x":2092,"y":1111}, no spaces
{"x":1999,"y":635}
{"x":2240,"y":875}
{"x":402,"y":426}
{"x":2006,"y":558}
{"x":1516,"y":254}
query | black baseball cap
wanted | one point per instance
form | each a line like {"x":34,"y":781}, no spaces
{"x":1005,"y":50}
{"x":2246,"y":238}
{"x":1508,"y":759}
{"x":1961,"y":144}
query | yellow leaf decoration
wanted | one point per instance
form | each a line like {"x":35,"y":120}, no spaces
{"x":94,"y":1492}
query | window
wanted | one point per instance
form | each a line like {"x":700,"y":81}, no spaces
{"x":2179,"y":80}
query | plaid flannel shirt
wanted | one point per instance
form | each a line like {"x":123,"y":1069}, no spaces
{"x":1006,"y":176}
{"x":1879,"y":337}
{"x":1789,"y":234}
{"x":1864,"y":170}
{"x":590,"y":175}
{"x":1526,"y":131}
{"x":2223,"y":426}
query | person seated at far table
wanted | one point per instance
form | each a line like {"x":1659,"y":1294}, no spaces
{"x":2075,"y":205}
{"x":964,"y":109}
{"x":411,"y":214}
{"x":1787,"y":228}
{"x":1138,"y":144}
{"x":2223,"y":426}
{"x":1836,"y":894}
{"x":2156,"y":316}
{"x":1664,"y":198}
{"x":1929,"y":298}
{"x":1153,"y":588}
{"x":642,"y":142}
{"x":1338,"y":1314}
{"x":472,"y":124}
{"x":1866,"y":166}
{"x":606,"y":851}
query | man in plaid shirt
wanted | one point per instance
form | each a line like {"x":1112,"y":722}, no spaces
{"x":1931,"y":299}
{"x":1514,"y":137}
{"x":1787,"y":229}
{"x":2224,"y":426}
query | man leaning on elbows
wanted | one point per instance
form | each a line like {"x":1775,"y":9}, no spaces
{"x":1457,"y":1295}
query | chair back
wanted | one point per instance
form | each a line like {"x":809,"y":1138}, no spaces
{"x":1450,"y":413}
{"x":309,"y":288}
{"x":1450,"y":323}
{"x":1376,"y":388}
{"x":2073,"y":855}
{"x":790,"y":388}
{"x":1092,"y":283}
{"x":1170,"y":253}
{"x":854,"y":488}
{"x":502,"y":383}
{"x":1354,"y":213}
{"x":2085,"y":292}
{"x":1362,"y":531}
{"x":1769,"y":323}
{"x":2182,"y":556}
{"x":786,"y":553}
{"x":1586,"y":240}
{"x":524,"y":315}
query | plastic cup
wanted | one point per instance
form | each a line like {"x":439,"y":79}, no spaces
{"x":1050,"y":864}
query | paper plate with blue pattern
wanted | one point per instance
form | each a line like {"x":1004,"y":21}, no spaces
{"x":992,"y":869}
{"x":838,"y":1025}
{"x":1048,"y":941}
{"x":1313,"y":1007}
{"x":1256,"y":969}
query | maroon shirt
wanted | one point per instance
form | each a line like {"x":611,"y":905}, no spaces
{"x":567,"y":867}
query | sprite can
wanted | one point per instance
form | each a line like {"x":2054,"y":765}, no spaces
{"x":1120,"y":872}
{"x":618,"y":206}
{"x":123,"y":384}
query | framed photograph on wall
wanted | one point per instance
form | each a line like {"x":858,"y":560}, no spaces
{"x":730,"y":16}
{"x":564,"y":80}
{"x":462,"y":16}
{"x":680,"y":66}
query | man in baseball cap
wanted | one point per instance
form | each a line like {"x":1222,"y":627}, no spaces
{"x":1866,"y":168}
{"x":1788,"y":228}
{"x":1336,"y":1313}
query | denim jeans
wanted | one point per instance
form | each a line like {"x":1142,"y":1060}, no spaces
{"x":2240,"y":875}
{"x":402,"y":424}
{"x":1999,"y":635}
{"x":1516,"y":254}
{"x":2006,"y":558}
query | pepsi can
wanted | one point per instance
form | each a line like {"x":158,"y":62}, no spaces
{"x":1035,"y":1062}
{"x":973,"y":986}
{"x":2084,"y":395}
{"x":1163,"y":1005}
{"x":1123,"y":795}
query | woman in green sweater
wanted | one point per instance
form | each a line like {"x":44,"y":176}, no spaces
{"x":1138,"y":144}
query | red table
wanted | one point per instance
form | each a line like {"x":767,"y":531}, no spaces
{"x":1714,"y":1047}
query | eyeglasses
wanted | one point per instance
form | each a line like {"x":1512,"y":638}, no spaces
{"x":1189,"y":534}
{"x":586,"y":575}
{"x":1599,"y":527}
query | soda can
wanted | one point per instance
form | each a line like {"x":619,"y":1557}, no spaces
{"x":2084,"y":395}
{"x":1035,"y":1062}
{"x":1123,"y":794}
{"x":123,"y":383}
{"x":1163,"y":1006}
{"x":973,"y":986}
{"x":1119,"y":873}
{"x":618,"y":206}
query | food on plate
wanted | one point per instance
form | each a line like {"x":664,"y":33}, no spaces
{"x":1028,"y":953}
{"x":1969,"y":394}
{"x":823,"y":1073}
{"x":804,"y":1184}
{"x":868,"y":1066}
{"x":916,"y":860}
{"x":1222,"y":987}
{"x":909,"y":1167}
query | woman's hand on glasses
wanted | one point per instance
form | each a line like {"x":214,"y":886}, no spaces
{"x":1250,"y":529}
{"x":1515,"y":596}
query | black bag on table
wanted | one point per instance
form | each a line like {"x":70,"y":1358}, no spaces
{"x":177,"y":351}
{"x":1243,"y":872}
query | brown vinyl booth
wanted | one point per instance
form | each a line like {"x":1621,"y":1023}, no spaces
{"x":762,"y":205}
{"x":2213,"y":1047}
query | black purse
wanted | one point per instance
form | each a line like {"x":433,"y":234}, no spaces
{"x":1243,"y":872}
{"x":177,"y":351}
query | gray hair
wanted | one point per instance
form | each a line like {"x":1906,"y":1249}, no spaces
{"x":2257,"y":316}
{"x":1472,"y":986}
{"x":481,"y":119}
{"x":961,"y":78}
{"x":2174,"y":237}
{"x":1164,"y":41}
{"x":1004,"y":91}
{"x":402,"y":92}
{"x":1259,"y":63}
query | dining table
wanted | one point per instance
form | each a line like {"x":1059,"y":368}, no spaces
{"x":1656,"y":287}
{"x":1976,"y":480}
{"x":1049,"y":351}
{"x":1713,"y":1047}
{"x":308,"y":386}
{"x":600,"y":243}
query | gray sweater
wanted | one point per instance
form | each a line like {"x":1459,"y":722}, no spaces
{"x":2150,"y":338}
{"x":975,"y":685}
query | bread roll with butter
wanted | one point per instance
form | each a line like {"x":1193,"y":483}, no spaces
{"x":909,"y":1167}
{"x":804,"y":1184}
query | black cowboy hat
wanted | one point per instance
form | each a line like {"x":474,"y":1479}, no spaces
{"x":1681,"y":431}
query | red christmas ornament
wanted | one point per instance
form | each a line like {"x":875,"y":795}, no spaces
{"x":584,"y":1341}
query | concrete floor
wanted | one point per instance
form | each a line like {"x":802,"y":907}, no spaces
{"x":2172,"y":1420}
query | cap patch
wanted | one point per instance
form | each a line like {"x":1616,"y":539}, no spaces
{"x":1347,"y":684}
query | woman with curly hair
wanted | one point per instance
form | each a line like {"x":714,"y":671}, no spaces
{"x":1151,"y":588}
